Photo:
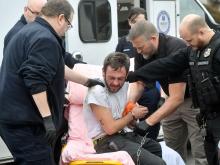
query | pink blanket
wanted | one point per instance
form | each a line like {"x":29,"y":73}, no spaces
{"x":79,"y":145}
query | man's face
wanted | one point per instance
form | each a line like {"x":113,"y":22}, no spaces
{"x":193,"y":40}
{"x":64,"y":24}
{"x":144,"y":47}
{"x":135,"y":19}
{"x":33,"y":9}
{"x":31,"y":13}
{"x":114,"y":79}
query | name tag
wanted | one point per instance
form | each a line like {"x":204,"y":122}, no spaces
{"x":126,"y":50}
{"x":203,"y":63}
{"x":191,"y":63}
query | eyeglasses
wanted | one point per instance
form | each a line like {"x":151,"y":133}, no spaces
{"x":33,"y":12}
{"x":68,"y":22}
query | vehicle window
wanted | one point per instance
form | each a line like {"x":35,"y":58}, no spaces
{"x":94,"y":20}
{"x":213,"y":6}
{"x":186,"y":9}
{"x":124,"y":8}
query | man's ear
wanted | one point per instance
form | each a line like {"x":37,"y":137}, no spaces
{"x":60,"y":17}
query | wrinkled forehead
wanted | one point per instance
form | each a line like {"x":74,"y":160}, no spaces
{"x":139,"y":40}
{"x":36,"y":5}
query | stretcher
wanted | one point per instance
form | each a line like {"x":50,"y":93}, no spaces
{"x":107,"y":162}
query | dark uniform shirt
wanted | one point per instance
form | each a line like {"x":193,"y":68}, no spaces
{"x":167,"y":45}
{"x":32,"y":63}
{"x":126,"y":47}
{"x":175,"y":64}
{"x":17,"y":27}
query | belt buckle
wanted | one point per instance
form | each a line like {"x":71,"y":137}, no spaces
{"x":95,"y":141}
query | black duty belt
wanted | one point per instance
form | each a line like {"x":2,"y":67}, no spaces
{"x":95,"y":141}
{"x":212,"y":115}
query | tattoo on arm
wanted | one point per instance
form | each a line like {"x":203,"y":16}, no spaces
{"x":101,"y":122}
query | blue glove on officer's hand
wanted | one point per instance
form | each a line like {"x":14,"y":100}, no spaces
{"x":50,"y":129}
{"x":93,"y":82}
{"x":141,"y":127}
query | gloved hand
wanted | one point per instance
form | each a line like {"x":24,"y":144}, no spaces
{"x":131,"y":77}
{"x":50,"y":129}
{"x":93,"y":82}
{"x":141,"y":127}
{"x":160,"y":102}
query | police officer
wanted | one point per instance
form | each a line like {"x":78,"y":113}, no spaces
{"x":202,"y":56}
{"x":32,"y":85}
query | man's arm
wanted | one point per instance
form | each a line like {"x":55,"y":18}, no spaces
{"x":176,"y":97}
{"x":171,"y":65}
{"x":111,"y":125}
{"x":80,"y":79}
{"x":72,"y":75}
{"x":136,"y":91}
{"x":40,"y":100}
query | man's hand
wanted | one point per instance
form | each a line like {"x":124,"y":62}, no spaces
{"x":93,"y":82}
{"x":141,"y":127}
{"x":50,"y":129}
{"x":139,"y":111}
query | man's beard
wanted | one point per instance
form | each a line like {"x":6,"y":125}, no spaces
{"x":147,"y":57}
{"x":109,"y":89}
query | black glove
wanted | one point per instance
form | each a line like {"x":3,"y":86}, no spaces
{"x":93,"y":82}
{"x":160,"y":102}
{"x":131,"y":77}
{"x":50,"y":129}
{"x":200,"y":119}
{"x":141,"y":127}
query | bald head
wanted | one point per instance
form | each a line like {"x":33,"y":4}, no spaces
{"x":33,"y":8}
{"x":195,"y":31}
{"x":192,"y":23}
{"x":36,"y":4}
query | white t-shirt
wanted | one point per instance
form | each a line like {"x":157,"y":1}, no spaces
{"x":99,"y":95}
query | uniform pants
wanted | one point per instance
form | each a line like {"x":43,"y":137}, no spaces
{"x":212,"y":140}
{"x":27,"y":144}
{"x":151,"y":152}
{"x":181,"y":126}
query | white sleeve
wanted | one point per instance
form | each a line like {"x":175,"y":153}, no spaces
{"x":97,"y":95}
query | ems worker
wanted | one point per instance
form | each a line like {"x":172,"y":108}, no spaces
{"x":32,"y":85}
{"x":180,"y":125}
{"x":202,"y":56}
{"x":151,"y":95}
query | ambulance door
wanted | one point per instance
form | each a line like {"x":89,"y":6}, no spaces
{"x":164,"y":15}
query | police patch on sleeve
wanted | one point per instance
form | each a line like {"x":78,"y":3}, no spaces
{"x":207,"y":52}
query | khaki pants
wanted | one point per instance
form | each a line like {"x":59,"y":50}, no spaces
{"x":181,"y":126}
